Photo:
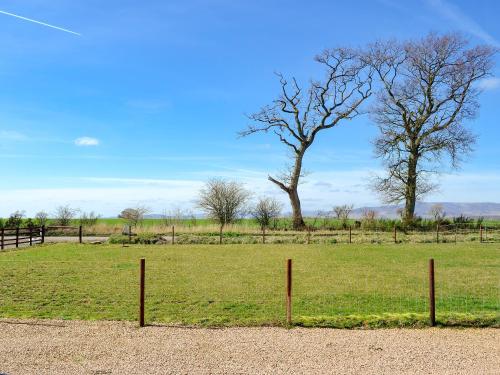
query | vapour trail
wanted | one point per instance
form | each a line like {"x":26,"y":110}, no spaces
{"x":39,"y":22}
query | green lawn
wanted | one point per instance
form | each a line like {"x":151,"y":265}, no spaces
{"x":333,"y":285}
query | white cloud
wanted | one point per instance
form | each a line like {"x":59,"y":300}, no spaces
{"x":86,"y":141}
{"x":491,"y":83}
{"x":462,"y":20}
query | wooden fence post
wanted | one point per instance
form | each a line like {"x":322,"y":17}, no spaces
{"x":2,"y":237}
{"x":437,"y":233}
{"x":141,"y":293}
{"x":80,"y":234}
{"x":17,"y":237}
{"x":130,"y":234}
{"x":289,"y":291}
{"x":350,"y":234}
{"x":173,"y":234}
{"x":480,"y":233}
{"x":220,"y":236}
{"x":395,"y":235}
{"x":43,"y":233}
{"x":263,"y":234}
{"x":31,"y":236}
{"x":432,"y":300}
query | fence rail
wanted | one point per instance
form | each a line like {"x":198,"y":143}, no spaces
{"x":17,"y":237}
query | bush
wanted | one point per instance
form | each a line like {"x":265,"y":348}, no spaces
{"x":118,"y":238}
{"x":142,"y":238}
{"x":15,"y":219}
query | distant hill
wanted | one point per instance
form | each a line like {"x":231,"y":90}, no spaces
{"x":485,"y":209}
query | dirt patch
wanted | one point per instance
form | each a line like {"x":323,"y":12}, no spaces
{"x":72,"y":347}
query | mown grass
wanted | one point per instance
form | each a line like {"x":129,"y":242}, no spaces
{"x":343,"y":286}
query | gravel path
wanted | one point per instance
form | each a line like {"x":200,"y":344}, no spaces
{"x":71,"y":347}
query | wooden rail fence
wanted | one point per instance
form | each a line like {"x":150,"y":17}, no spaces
{"x":15,"y":237}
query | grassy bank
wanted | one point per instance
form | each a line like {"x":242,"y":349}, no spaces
{"x":334,"y":286}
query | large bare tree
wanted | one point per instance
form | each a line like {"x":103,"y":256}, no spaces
{"x":297,"y":116}
{"x":427,"y":93}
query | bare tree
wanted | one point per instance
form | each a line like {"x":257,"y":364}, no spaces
{"x":427,"y":92}
{"x":437,"y":212}
{"x":297,"y":117}
{"x":134,"y":216}
{"x":265,"y":210}
{"x":338,"y":211}
{"x":223,"y":201}
{"x":343,"y":212}
{"x":41,"y":218}
{"x":64,"y":215}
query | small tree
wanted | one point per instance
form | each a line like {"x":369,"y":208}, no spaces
{"x":342,"y":213}
{"x":223,"y":201}
{"x":266,"y":210}
{"x":41,"y":218}
{"x":134,"y":216}
{"x":437,"y":213}
{"x":64,"y":215}
{"x":89,"y":219}
{"x":368,"y":219}
{"x":15,"y":219}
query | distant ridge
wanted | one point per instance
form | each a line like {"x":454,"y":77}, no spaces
{"x":485,"y":209}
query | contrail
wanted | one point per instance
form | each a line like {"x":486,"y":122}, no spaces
{"x":40,"y":23}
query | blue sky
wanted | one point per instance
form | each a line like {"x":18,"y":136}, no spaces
{"x":145,"y":104}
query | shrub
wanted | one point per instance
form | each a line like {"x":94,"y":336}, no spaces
{"x":15,"y":219}
{"x":141,"y":238}
{"x":118,"y":238}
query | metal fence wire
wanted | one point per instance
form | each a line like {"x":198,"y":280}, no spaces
{"x":179,"y":290}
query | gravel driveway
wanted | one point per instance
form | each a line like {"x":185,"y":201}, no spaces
{"x":71,"y":347}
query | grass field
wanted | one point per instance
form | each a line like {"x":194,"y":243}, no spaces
{"x":336,"y":286}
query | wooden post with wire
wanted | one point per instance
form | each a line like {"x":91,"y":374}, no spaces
{"x":432,"y":297}
{"x":437,"y":233}
{"x":263,"y":234}
{"x":80,"y":234}
{"x":2,"y":238}
{"x":17,"y":237}
{"x":141,"y":292}
{"x":289,"y":291}
{"x":395,"y":234}
{"x":43,"y":233}
{"x":480,"y":233}
{"x":173,"y":234}
{"x":350,"y":234}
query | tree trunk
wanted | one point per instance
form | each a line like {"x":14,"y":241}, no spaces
{"x":297,"y":219}
{"x":291,"y":189}
{"x":411,"y":190}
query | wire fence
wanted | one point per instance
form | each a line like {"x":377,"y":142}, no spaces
{"x":442,"y":234}
{"x":180,"y":290}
